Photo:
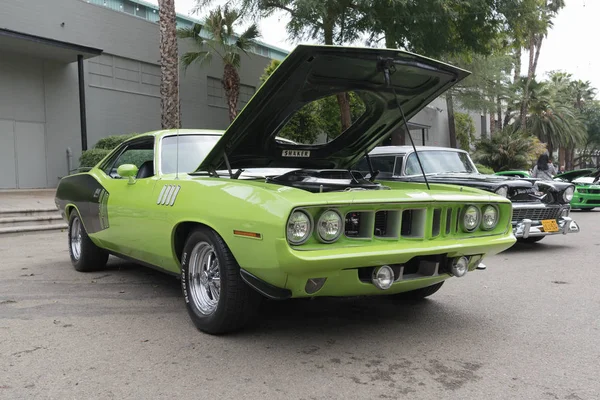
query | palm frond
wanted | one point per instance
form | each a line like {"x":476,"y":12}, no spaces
{"x":200,"y":57}
{"x":244,"y":42}
{"x":191,"y":33}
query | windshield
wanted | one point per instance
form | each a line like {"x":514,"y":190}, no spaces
{"x":192,"y":150}
{"x":440,"y":162}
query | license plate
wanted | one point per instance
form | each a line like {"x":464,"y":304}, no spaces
{"x":550,"y":225}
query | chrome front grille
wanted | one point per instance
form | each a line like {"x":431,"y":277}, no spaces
{"x":536,"y":214}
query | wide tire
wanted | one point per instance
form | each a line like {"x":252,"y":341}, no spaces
{"x":85,"y":255}
{"x":533,"y":239}
{"x":217,"y":299}
{"x":419,"y":294}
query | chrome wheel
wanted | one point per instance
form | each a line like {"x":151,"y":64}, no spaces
{"x":75,"y":238}
{"x":204,"y":278}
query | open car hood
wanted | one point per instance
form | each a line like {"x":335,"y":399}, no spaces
{"x":312,"y":72}
{"x":572,"y":175}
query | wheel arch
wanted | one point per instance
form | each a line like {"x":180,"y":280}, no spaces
{"x":181,"y":231}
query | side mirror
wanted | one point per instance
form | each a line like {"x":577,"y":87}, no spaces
{"x":128,"y":171}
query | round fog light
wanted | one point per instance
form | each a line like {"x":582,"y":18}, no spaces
{"x":460,"y":266}
{"x":383,"y":277}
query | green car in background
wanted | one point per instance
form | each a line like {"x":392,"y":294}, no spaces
{"x":587,"y":187}
{"x":241,"y":215}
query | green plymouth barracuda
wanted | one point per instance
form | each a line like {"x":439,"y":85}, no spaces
{"x":242,"y":215}
{"x":587,"y":187}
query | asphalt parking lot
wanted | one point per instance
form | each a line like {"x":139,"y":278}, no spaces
{"x":526,"y":328}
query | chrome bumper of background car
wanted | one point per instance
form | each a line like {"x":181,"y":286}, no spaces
{"x":528,"y":228}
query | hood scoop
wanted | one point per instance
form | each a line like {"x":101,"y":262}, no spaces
{"x":325,"y":180}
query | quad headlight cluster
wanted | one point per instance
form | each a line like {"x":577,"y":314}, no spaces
{"x":329,"y":227}
{"x":485,"y":218}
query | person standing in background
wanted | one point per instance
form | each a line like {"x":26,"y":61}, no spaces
{"x":544,"y":169}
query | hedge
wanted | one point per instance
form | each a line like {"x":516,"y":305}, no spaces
{"x":484,"y":170}
{"x":110,"y":142}
{"x":90,"y":158}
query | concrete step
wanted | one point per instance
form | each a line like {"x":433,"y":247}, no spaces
{"x":30,"y":220}
{"x":32,"y":228}
{"x":18,"y":220}
{"x":28,"y":212}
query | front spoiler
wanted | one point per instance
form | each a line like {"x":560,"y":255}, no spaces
{"x":528,"y":228}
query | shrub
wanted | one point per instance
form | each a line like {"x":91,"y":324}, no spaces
{"x":484,"y":170}
{"x":506,"y":150}
{"x":90,"y":158}
{"x":110,"y":142}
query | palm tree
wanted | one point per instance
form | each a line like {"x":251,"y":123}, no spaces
{"x":583,"y":93}
{"x":224,"y":44}
{"x":551,"y":118}
{"x":169,"y":74}
{"x":538,"y":25}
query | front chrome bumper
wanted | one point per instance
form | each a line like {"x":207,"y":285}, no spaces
{"x":528,"y":228}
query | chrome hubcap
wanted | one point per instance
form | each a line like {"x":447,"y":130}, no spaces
{"x":76,"y":238}
{"x":204,"y":278}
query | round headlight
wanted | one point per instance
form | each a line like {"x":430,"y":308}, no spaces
{"x":489,"y":218}
{"x":568,"y":194}
{"x":502,"y":191}
{"x":471,"y":218}
{"x":329,"y":226}
{"x":298,"y":227}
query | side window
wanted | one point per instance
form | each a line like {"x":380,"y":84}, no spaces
{"x":384,"y":164}
{"x":398,"y":168}
{"x":140,"y":154}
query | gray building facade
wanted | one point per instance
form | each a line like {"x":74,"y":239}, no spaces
{"x":75,"y":71}
{"x":40,"y":116}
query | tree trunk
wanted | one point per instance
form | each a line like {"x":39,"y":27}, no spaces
{"x":399,"y":136}
{"x":550,"y":148}
{"x":562,"y":157}
{"x":499,"y":111}
{"x":344,"y":103}
{"x":538,"y":48}
{"x":390,"y":42}
{"x":231,"y":84}
{"x":169,"y":74}
{"x":517,"y":73}
{"x":451,"y":123}
{"x":530,"y":73}
{"x":492,"y":126}
{"x":342,"y":98}
{"x":516,"y":77}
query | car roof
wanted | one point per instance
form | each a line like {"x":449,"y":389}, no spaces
{"x":171,"y":132}
{"x":382,"y":150}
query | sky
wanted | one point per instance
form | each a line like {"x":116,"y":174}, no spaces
{"x":570,"y":46}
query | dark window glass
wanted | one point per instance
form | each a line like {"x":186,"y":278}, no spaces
{"x":135,"y":153}
{"x":386,"y":165}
